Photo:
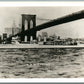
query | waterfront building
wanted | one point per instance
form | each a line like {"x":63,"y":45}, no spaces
{"x":44,"y":34}
{"x":51,"y":38}
{"x":39,"y":38}
{"x":4,"y":36}
{"x":59,"y":37}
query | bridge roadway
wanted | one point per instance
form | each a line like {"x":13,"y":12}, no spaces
{"x":68,"y":18}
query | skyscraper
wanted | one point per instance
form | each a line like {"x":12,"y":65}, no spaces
{"x":12,"y":31}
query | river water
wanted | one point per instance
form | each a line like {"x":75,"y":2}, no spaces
{"x":41,"y":63}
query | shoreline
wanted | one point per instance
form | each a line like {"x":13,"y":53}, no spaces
{"x":37,"y":46}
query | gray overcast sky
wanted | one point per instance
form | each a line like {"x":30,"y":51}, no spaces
{"x":71,"y":29}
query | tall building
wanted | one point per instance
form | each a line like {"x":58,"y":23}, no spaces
{"x":12,"y":31}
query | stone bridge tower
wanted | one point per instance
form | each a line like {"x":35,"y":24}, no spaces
{"x":28,"y":22}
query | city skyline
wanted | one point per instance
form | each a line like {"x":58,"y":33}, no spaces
{"x":44,"y":14}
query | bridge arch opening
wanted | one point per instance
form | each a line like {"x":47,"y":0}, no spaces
{"x":26,"y":25}
{"x":31,"y":24}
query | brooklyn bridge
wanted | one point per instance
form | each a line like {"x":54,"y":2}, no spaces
{"x":31,"y":28}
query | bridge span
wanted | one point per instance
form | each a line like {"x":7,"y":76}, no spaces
{"x":31,"y":31}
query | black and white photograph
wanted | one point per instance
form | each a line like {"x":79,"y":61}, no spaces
{"x":42,"y":42}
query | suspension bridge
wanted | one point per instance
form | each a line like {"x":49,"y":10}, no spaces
{"x":31,"y":29}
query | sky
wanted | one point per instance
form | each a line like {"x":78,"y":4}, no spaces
{"x":73,"y":29}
